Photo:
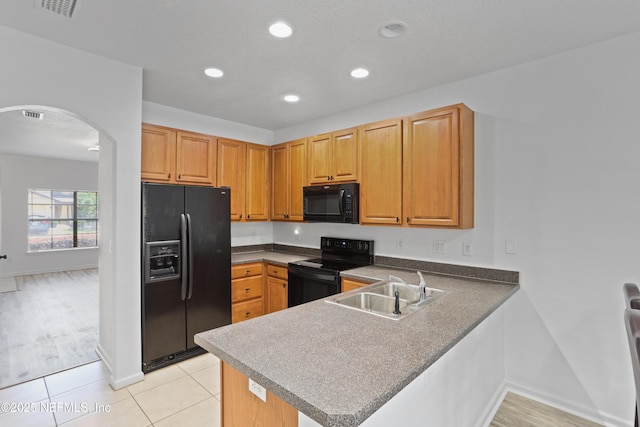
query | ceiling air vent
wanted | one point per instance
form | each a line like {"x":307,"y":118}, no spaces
{"x":33,"y":114}
{"x":60,"y":7}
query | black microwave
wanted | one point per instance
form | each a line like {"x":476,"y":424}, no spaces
{"x":332,"y":203}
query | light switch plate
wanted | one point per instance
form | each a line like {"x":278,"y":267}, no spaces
{"x":258,"y":390}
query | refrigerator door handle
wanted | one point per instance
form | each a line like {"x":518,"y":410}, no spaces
{"x":190,"y":284}
{"x":184,"y":256}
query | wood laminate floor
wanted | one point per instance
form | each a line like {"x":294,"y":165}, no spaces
{"x":49,"y":324}
{"x":518,"y":411}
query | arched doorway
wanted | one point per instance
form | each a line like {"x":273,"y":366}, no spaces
{"x":64,"y":138}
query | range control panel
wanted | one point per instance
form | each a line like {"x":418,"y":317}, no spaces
{"x":346,"y":246}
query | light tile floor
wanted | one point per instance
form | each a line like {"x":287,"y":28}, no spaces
{"x":187,"y":393}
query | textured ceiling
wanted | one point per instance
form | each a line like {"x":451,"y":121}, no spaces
{"x":447,"y":40}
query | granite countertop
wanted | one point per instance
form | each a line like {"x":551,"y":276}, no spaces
{"x":338,"y":366}
{"x":279,"y":258}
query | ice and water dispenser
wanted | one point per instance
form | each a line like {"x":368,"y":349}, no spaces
{"x":162,"y":261}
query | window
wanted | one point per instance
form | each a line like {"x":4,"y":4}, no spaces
{"x":62,"y":219}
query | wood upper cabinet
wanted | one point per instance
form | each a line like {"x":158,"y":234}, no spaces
{"x":381,"y":173}
{"x":243,"y":167}
{"x":177,"y":157}
{"x":196,"y":158}
{"x":231,"y":173}
{"x":438,"y":168}
{"x":158,"y":153}
{"x":288,"y":176}
{"x":257,"y":182}
{"x":333,"y":157}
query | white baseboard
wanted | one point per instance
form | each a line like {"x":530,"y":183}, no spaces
{"x":117,"y":383}
{"x":494,"y":405}
{"x":590,"y":414}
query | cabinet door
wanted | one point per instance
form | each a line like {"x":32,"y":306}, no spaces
{"x":257,"y":184}
{"x":345,"y":155}
{"x":277,"y":294}
{"x":434,"y":157}
{"x":280,"y":182}
{"x":381,"y":173}
{"x":320,"y":159}
{"x":196,"y":158}
{"x":297,"y":178}
{"x":241,"y":408}
{"x":231,"y":159}
{"x":158,"y":153}
{"x":349,"y":285}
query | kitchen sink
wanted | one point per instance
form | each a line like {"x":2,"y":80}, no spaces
{"x":379,"y":299}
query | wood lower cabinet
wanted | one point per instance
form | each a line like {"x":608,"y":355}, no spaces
{"x":277,"y":288}
{"x":333,"y":157}
{"x":438,"y":168}
{"x":350,"y":284}
{"x":246,"y":291}
{"x":288,"y":176}
{"x":242,"y":408}
{"x":176,"y":157}
{"x":381,"y":173}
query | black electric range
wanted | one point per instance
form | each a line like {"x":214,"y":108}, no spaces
{"x":320,"y":277}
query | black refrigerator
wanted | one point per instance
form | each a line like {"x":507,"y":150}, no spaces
{"x":186,"y":269}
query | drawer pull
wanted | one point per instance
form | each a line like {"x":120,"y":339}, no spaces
{"x":247,"y":289}
{"x":247,"y":314}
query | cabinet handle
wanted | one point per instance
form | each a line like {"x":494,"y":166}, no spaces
{"x":408,"y":220}
{"x":246,"y":273}
{"x":397,"y":219}
{"x":240,"y":216}
{"x":247,"y":314}
{"x":180,"y":176}
{"x":284,"y":285}
{"x":247,"y":290}
{"x":248,"y":216}
{"x":169,"y":176}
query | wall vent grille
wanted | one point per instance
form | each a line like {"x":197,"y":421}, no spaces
{"x":33,"y":114}
{"x":60,"y":7}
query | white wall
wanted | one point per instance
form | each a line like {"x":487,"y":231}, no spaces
{"x":557,"y":158}
{"x":107,"y":95}
{"x":19,"y":173}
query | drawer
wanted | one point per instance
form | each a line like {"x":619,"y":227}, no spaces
{"x":246,"y":270}
{"x":246,"y":310}
{"x":277,"y":271}
{"x":246,"y":288}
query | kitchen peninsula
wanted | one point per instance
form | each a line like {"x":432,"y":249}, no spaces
{"x":340,"y":367}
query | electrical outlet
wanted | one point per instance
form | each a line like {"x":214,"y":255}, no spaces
{"x":466,"y":249}
{"x":511,"y":246}
{"x":439,"y":246}
{"x":400,"y":243}
{"x":258,"y":390}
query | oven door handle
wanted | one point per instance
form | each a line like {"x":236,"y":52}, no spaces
{"x":306,"y":274}
{"x":342,"y":202}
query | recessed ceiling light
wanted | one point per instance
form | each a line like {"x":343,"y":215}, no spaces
{"x":292,"y":98}
{"x":214,"y":72}
{"x":392,"y":29}
{"x":280,"y":29}
{"x":360,"y":73}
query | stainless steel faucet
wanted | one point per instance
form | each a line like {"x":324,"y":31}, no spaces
{"x":422,"y":289}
